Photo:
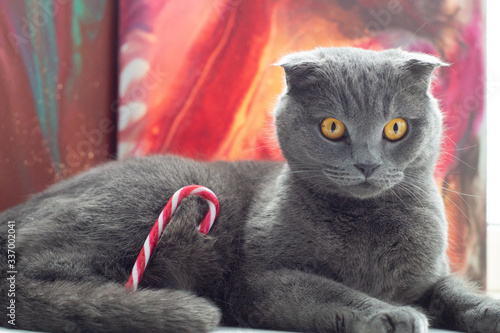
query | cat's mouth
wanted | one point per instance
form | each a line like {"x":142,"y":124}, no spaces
{"x":366,"y":189}
{"x":359,"y":186}
{"x":349,"y":180}
{"x":365,"y":184}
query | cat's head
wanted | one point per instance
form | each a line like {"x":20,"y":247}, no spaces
{"x":356,"y":122}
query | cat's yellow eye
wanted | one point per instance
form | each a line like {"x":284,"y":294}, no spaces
{"x":395,"y":129}
{"x":332,"y":128}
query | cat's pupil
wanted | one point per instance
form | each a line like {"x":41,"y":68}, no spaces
{"x":333,"y":127}
{"x":395,"y":128}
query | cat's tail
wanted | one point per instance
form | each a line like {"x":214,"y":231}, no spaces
{"x":63,"y":306}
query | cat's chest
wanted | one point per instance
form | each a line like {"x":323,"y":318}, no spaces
{"x":384,"y":254}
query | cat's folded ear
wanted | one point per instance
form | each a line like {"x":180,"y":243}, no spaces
{"x":421,"y":65}
{"x":300,"y":72}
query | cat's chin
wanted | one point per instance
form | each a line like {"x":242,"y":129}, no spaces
{"x":364,"y":190}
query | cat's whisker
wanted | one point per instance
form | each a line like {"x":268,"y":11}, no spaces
{"x":312,"y":186}
{"x":412,"y":195}
{"x":448,"y":199}
{"x":451,"y":191}
{"x":417,"y":188}
{"x":406,"y":189}
{"x":463,"y":194}
{"x":447,"y":137}
{"x":402,"y":201}
{"x":455,"y":192}
{"x":320,"y":189}
{"x":409,"y":190}
{"x":465,"y":148}
{"x":297,"y":172}
{"x":458,"y":159}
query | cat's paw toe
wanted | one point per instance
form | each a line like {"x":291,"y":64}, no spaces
{"x":484,"y":318}
{"x":398,"y":320}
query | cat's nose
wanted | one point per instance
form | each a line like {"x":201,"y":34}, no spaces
{"x":367,"y":169}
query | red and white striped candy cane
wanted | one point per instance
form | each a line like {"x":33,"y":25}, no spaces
{"x":162,"y":221}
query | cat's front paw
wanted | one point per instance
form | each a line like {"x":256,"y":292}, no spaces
{"x":397,"y":320}
{"x":484,"y":318}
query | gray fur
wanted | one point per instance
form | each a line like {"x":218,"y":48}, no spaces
{"x":307,"y":245}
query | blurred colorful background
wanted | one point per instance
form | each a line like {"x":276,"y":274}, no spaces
{"x":86,"y":81}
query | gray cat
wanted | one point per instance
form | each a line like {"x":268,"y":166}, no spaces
{"x":349,"y":235}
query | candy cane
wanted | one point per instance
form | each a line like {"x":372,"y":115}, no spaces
{"x":162,"y":221}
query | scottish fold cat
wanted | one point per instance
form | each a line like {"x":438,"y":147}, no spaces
{"x":348,"y":235}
